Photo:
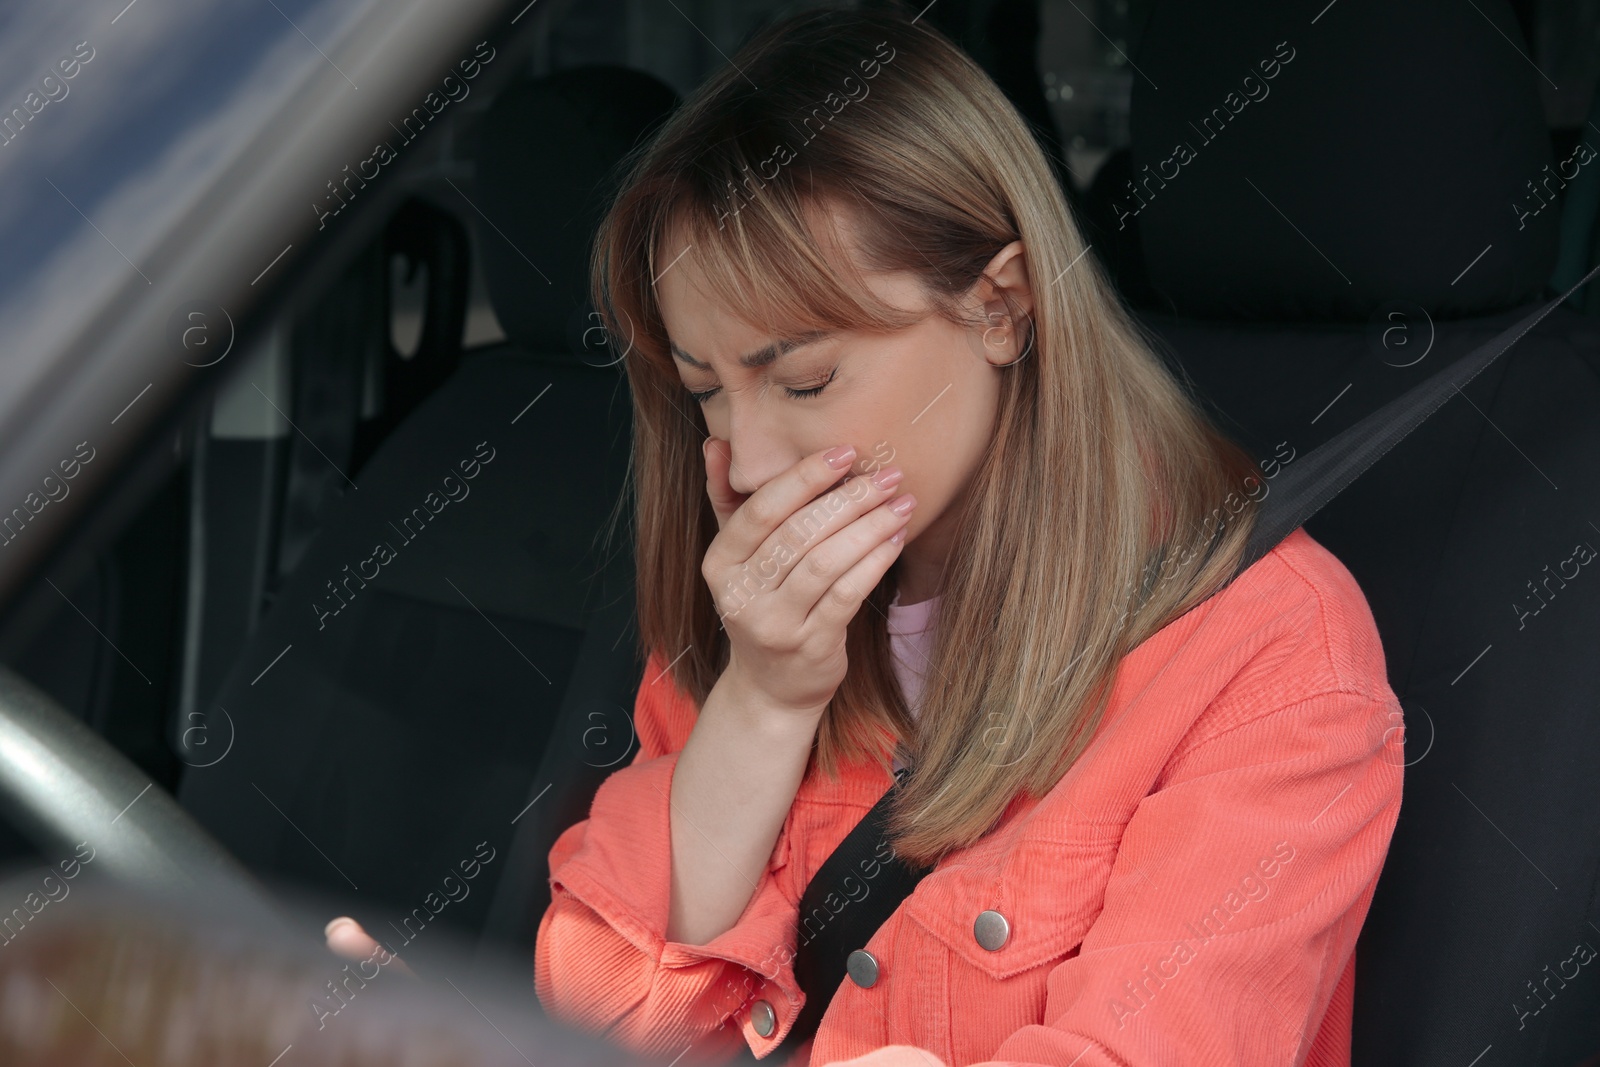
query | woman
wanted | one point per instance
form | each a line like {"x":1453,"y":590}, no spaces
{"x":961,"y":519}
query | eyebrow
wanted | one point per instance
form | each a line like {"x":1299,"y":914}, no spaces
{"x":761,"y":357}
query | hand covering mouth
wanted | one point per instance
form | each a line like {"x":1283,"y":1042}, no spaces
{"x":848,"y":474}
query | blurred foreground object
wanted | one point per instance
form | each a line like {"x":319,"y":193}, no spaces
{"x":93,"y":973}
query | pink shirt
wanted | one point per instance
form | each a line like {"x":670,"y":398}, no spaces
{"x":911,"y":640}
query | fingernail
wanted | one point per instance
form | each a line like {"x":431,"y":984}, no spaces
{"x":902,"y":505}
{"x":888,"y":479}
{"x":839,"y":458}
{"x":327,"y":931}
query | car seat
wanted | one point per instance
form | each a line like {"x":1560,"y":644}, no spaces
{"x":1354,"y":208}
{"x":394,"y":716}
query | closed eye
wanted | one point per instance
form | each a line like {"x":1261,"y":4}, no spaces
{"x":814,"y":390}
{"x":795,"y":394}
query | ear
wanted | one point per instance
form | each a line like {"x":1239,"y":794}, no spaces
{"x":1006,"y":289}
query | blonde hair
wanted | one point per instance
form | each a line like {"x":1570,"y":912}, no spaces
{"x":1043,"y":593}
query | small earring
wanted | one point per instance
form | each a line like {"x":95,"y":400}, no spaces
{"x":1003,"y":327}
{"x":1026,"y":348}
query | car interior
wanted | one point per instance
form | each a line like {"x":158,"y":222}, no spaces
{"x":380,"y":619}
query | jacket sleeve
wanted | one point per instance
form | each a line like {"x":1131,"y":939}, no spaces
{"x":602,"y":962}
{"x":1230,"y":918}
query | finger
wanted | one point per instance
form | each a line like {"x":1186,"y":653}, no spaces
{"x":719,"y":461}
{"x":863,"y":552}
{"x":347,"y":938}
{"x":770,"y":506}
{"x":806,"y":569}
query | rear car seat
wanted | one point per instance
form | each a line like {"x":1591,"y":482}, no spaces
{"x":396,"y":711}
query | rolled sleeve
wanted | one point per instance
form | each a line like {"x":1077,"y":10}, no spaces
{"x":602,"y":959}
{"x":1230,"y":918}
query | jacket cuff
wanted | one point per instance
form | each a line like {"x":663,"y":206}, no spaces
{"x":622,"y":870}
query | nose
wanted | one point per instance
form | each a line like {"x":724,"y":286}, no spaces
{"x":753,"y":467}
{"x":760,"y":452}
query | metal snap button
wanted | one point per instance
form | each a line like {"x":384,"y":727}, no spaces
{"x":991,"y":930}
{"x":763,"y":1018}
{"x":862,"y":967}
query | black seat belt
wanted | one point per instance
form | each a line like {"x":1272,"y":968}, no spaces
{"x":821,"y":955}
{"x":825,"y":940}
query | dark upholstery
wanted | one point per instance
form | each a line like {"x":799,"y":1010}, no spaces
{"x":1377,"y":163}
{"x":1323,"y":241}
{"x":540,"y":180}
{"x":420,"y":719}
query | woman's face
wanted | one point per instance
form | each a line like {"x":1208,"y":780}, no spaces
{"x":922,"y":398}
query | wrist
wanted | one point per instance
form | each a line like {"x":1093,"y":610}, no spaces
{"x":758,"y":712}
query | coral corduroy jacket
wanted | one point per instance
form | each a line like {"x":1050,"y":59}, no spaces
{"x":1189,"y":893}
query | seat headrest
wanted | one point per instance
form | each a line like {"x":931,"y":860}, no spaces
{"x":547,"y":157}
{"x":1313,"y":163}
